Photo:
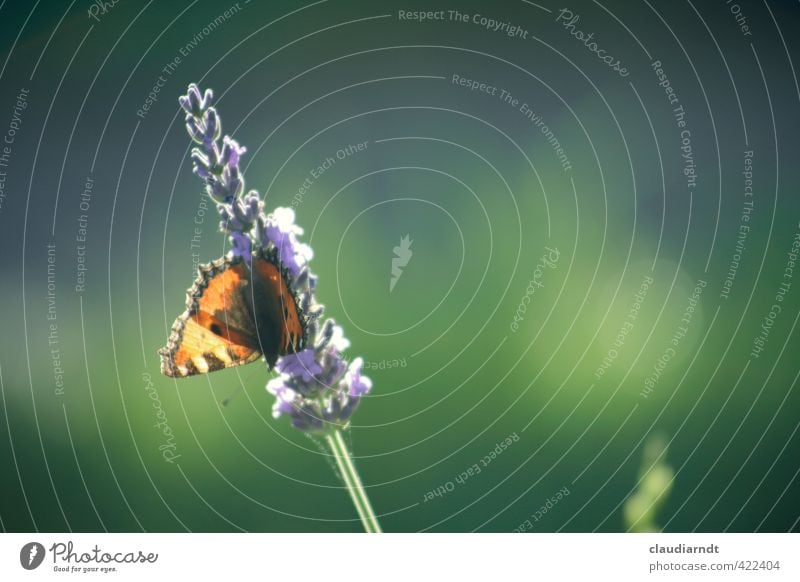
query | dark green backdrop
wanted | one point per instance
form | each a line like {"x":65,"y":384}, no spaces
{"x":640,"y":210}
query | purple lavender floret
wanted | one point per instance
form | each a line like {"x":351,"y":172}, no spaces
{"x":317,"y":388}
{"x":279,"y":230}
{"x":357,"y":383}
{"x":302,"y":364}
{"x":194,"y":102}
{"x":241,"y":246}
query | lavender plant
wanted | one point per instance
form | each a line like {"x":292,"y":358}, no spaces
{"x":316,"y":388}
{"x":655,"y":481}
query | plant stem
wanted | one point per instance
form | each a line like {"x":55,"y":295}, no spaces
{"x":344,"y":461}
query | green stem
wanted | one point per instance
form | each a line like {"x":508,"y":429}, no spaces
{"x":344,"y":461}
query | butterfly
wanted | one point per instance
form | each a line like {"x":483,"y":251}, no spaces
{"x":237,"y":311}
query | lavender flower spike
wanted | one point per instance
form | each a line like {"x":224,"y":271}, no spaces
{"x":317,"y":388}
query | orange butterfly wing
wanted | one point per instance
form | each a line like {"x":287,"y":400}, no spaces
{"x":215,"y":331}
{"x":234,"y":316}
{"x":283,"y":305}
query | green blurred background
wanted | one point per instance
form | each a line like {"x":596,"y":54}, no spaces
{"x":481,"y":192}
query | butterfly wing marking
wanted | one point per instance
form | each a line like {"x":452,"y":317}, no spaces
{"x":217,"y":330}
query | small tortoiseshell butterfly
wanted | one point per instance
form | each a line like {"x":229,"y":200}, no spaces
{"x":236,"y":312}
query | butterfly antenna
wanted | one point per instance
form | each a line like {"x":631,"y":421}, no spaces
{"x":238,"y":389}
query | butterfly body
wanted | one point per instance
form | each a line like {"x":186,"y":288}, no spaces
{"x":237,"y":311}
